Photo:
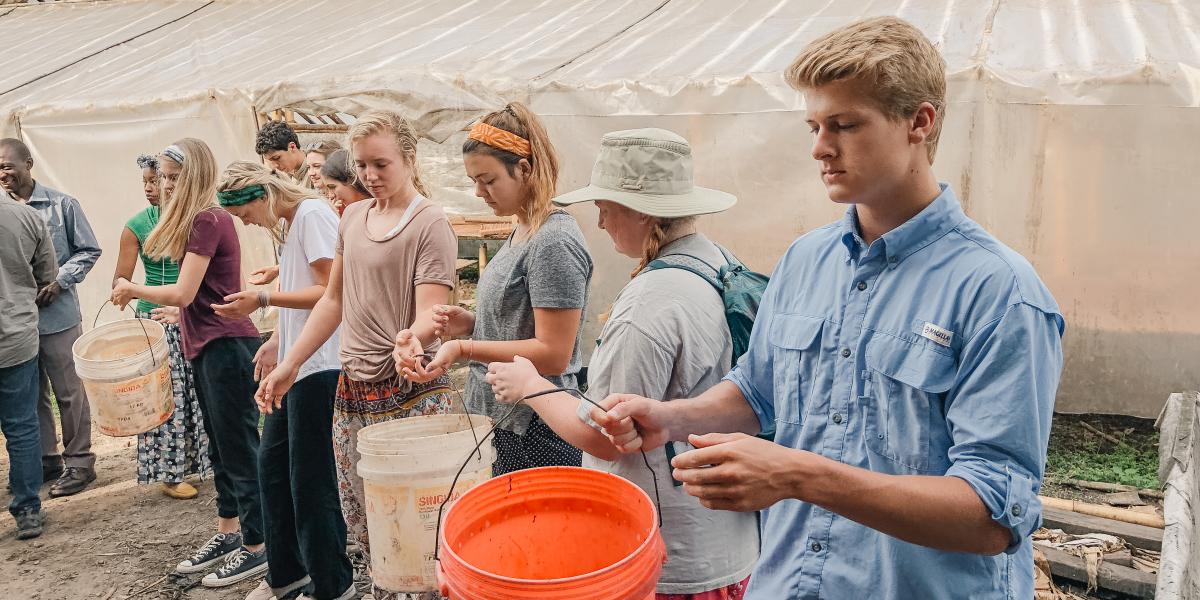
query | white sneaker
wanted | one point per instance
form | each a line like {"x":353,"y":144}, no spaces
{"x":262,"y":592}
{"x":349,"y":594}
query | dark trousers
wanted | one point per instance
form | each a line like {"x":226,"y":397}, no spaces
{"x":57,"y":366}
{"x":224,"y":374}
{"x":19,"y":422}
{"x":306,"y":534}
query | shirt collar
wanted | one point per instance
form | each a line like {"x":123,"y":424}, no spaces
{"x":934,"y":221}
{"x":40,"y":193}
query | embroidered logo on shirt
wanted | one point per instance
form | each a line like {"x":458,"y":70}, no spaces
{"x":937,"y":335}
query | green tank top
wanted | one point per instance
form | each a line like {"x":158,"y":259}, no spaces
{"x":158,"y":272}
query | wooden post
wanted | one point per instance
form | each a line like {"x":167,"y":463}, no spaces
{"x":1107,"y":512}
{"x":482,"y":255}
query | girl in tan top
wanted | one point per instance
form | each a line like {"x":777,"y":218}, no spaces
{"x":394,"y":261}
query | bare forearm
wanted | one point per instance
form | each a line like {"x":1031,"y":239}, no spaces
{"x":423,"y":328}
{"x":720,"y":409}
{"x":321,"y":323}
{"x":560,"y":412}
{"x":548,"y":359}
{"x":940,"y":512}
{"x":166,"y":295}
{"x":304,"y":299}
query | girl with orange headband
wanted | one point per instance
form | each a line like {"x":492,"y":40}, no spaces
{"x":530,"y":298}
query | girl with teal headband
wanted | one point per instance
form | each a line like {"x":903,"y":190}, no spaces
{"x":305,"y":531}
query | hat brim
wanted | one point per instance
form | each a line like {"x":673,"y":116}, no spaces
{"x":699,"y":201}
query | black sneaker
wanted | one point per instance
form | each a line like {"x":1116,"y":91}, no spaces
{"x":72,"y":481}
{"x":240,"y":566}
{"x":30,"y":523}
{"x":217,"y":548}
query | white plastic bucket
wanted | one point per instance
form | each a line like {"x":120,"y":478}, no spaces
{"x":407,"y":466}
{"x":125,"y":370}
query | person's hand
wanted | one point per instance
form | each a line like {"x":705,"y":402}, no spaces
{"x":739,"y":472}
{"x":167,"y":315}
{"x":238,"y":305}
{"x":122,"y":293}
{"x":513,"y":381}
{"x":452,"y":321}
{"x":407,"y":353}
{"x":450,"y":353}
{"x":267,"y":358}
{"x":264,"y":275}
{"x":632,"y":422}
{"x":48,"y":294}
{"x":274,"y":387}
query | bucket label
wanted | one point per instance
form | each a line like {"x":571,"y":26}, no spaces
{"x":429,"y":500}
{"x":132,"y":406}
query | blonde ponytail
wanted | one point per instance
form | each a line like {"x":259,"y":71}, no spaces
{"x":542,"y":185}
{"x":662,"y":231}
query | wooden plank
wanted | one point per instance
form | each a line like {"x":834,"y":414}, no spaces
{"x":1146,"y":538}
{"x":1101,"y":510}
{"x":1101,"y":486}
{"x":464,"y":263}
{"x":1109,"y":577}
{"x":1124,"y":499}
{"x":323,"y":128}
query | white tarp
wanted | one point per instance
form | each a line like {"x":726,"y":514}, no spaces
{"x":1070,"y":131}
{"x":1179,"y":457}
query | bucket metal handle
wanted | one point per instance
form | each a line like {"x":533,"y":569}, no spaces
{"x":149,"y":344}
{"x":437,"y":542}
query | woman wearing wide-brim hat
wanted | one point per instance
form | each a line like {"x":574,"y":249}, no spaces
{"x":666,"y":337}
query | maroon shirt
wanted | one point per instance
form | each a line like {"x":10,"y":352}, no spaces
{"x":213,"y":235}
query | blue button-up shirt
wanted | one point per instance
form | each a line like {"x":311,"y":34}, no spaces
{"x":936,"y":350}
{"x":77,"y":250}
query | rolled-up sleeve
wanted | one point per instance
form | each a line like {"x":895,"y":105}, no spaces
{"x":999,"y":413}
{"x":82,"y":245}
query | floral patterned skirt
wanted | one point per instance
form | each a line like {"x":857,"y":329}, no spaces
{"x":179,"y":447}
{"x":357,"y":405}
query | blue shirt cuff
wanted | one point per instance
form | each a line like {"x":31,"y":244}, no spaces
{"x":1010,"y":495}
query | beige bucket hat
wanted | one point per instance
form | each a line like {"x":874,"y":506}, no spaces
{"x":650,"y":171}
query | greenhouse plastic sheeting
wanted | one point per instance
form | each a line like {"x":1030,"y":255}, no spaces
{"x":1070,"y":131}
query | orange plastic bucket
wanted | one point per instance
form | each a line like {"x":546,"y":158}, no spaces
{"x":552,"y":533}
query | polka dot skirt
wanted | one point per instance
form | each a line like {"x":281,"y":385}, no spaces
{"x":539,"y":447}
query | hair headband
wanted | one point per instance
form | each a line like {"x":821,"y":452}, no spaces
{"x":500,"y":139}
{"x":245,"y":195}
{"x":174,"y":153}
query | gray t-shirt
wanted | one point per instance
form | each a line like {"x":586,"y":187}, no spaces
{"x":667,"y":338}
{"x":27,"y":264}
{"x":552,"y":269}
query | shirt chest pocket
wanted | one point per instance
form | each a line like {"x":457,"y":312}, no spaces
{"x":795,"y":349}
{"x":901,"y":401}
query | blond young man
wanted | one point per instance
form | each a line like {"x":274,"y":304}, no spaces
{"x":907,"y":360}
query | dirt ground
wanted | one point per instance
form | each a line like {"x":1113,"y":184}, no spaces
{"x":116,"y":540}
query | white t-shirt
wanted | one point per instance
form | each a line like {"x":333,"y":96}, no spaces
{"x":312,"y":236}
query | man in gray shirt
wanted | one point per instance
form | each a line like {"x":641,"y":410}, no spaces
{"x":26,"y":266}
{"x":59,"y":322}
